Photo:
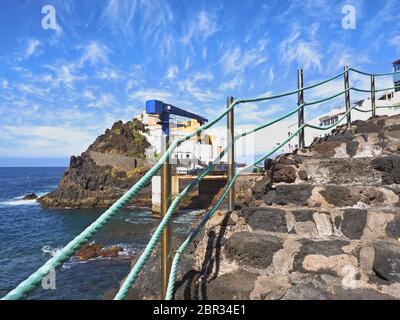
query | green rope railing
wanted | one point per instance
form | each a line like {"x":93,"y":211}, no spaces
{"x":376,"y":90}
{"x":132,"y":276}
{"x":377,"y":107}
{"x":210,"y":214}
{"x":375,"y":74}
{"x":63,"y":255}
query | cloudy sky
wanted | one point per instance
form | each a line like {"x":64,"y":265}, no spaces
{"x":61,"y":88}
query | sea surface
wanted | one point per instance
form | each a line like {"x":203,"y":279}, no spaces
{"x":30,"y":235}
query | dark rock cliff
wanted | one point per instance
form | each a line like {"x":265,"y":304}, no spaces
{"x":103,"y":173}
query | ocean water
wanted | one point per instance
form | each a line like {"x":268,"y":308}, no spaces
{"x":30,"y":235}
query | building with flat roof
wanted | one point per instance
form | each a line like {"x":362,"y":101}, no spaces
{"x":197,"y":152}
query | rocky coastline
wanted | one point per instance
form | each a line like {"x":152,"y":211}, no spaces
{"x":105,"y":171}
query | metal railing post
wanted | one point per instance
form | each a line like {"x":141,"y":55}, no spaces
{"x":231,"y":154}
{"x":347,"y":94}
{"x":166,"y":257}
{"x":373,"y":102}
{"x":300,"y":84}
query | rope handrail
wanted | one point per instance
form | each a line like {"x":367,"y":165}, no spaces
{"x":210,"y":214}
{"x":375,"y":74}
{"x":376,"y":90}
{"x":378,"y":107}
{"x":139,"y":265}
{"x":64,"y":254}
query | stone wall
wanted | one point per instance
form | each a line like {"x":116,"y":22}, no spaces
{"x":123,"y":162}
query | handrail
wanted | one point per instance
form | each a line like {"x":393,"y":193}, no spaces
{"x":210,"y":214}
{"x":139,"y":265}
{"x":375,"y":74}
{"x":376,"y":90}
{"x":378,"y":107}
{"x":64,"y":254}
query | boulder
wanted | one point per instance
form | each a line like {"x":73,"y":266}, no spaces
{"x":393,"y":228}
{"x":390,"y":166}
{"x":354,"y":222}
{"x":269,"y":219}
{"x":387,"y":260}
{"x":95,"y":250}
{"x":289,"y":194}
{"x":326,"y":248}
{"x":231,"y":286}
{"x":252,"y":250}
{"x":306,"y":291}
{"x":89,"y":251}
{"x":31,"y":196}
{"x":285,"y":174}
{"x":111,"y":252}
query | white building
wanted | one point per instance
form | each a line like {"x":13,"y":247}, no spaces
{"x":198,"y":151}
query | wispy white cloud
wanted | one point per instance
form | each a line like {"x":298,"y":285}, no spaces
{"x":110,"y":74}
{"x":234,"y":83}
{"x":88,"y":94}
{"x":305,"y":52}
{"x":150,"y":94}
{"x":271,"y":75}
{"x":105,"y":100}
{"x":65,"y":74}
{"x":172,"y":72}
{"x":201,"y":27}
{"x":192,"y":86}
{"x":256,"y":113}
{"x":119,"y":14}
{"x":237,"y":60}
{"x":147,"y":21}
{"x":94,"y":52}
{"x":395,"y":41}
{"x":32,"y":48}
{"x":4,"y":83}
{"x":32,"y":90}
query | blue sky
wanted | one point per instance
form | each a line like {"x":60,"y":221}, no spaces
{"x":61,"y":88}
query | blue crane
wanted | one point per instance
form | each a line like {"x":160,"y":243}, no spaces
{"x":164,"y":111}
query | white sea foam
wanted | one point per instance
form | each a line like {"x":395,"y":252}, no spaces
{"x":19,"y":201}
{"x":50,"y":250}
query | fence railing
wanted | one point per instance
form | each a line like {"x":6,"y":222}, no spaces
{"x":65,"y":254}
